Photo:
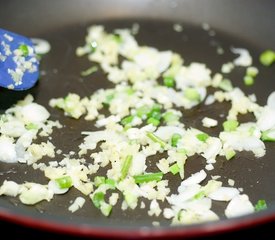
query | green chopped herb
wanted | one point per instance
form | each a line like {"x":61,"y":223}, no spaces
{"x":202,"y":137}
{"x":64,"y":182}
{"x":153,"y":121}
{"x":192,"y":94}
{"x":143,"y":111}
{"x":169,"y":117}
{"x":226,"y":85}
{"x":117,"y":38}
{"x":230,"y":154}
{"x":155,"y":112}
{"x":93,"y":46}
{"x":174,"y":169}
{"x":127,"y":120}
{"x":126,"y":166}
{"x":24,"y":49}
{"x":98,"y":199}
{"x":248,"y":80}
{"x":110,"y":182}
{"x":156,"y":139}
{"x":31,"y":126}
{"x":199,"y":195}
{"x":267,"y":58}
{"x":230,"y":125}
{"x":148,"y":177}
{"x":108,"y":99}
{"x":252,"y":72}
{"x":268,"y":136}
{"x":99,"y":180}
{"x":89,"y":71}
{"x":175,"y":138}
{"x":169,"y":82}
{"x":260,"y":205}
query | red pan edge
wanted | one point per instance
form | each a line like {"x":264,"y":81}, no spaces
{"x":139,"y":233}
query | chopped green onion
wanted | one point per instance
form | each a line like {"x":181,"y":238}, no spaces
{"x":108,"y":99}
{"x":267,"y":58}
{"x":110,"y":182}
{"x":64,"y":182}
{"x":89,"y":71}
{"x":202,"y":137}
{"x":117,"y":38}
{"x":127,"y":120}
{"x":169,"y":117}
{"x":105,"y":208}
{"x":93,"y":46}
{"x":252,"y":71}
{"x":260,"y":205}
{"x":153,"y":121}
{"x":268,"y":136}
{"x":199,"y":195}
{"x":175,"y":138}
{"x":174,"y":169}
{"x":98,"y":199}
{"x":99,"y":180}
{"x":226,"y":85}
{"x":169,"y":82}
{"x":31,"y":126}
{"x":126,"y":166}
{"x":192,"y":94}
{"x":24,"y":49}
{"x":230,"y":125}
{"x":230,"y":154}
{"x":155,"y":112}
{"x":156,"y":139}
{"x":148,"y":177}
{"x":131,"y":199}
{"x":130,"y":91}
{"x":143,"y":111}
{"x":248,"y":80}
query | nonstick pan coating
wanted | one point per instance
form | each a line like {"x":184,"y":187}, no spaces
{"x":60,"y":75}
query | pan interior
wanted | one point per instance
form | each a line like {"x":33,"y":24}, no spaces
{"x":61,"y":74}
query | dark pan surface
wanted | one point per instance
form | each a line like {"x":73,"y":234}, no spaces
{"x":61,"y":70}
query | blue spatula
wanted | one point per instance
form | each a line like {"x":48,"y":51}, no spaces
{"x":19,"y":65}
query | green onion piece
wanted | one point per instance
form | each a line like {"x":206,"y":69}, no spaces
{"x":182,"y":151}
{"x":199,"y":195}
{"x":93,"y":46}
{"x":155,"y":112}
{"x":89,"y":71}
{"x":202,"y":137}
{"x":175,"y":138}
{"x":131,"y":199}
{"x":248,"y":80}
{"x":144,"y":178}
{"x":260,"y":205}
{"x":64,"y":182}
{"x":156,"y":139}
{"x":252,"y":71}
{"x":110,"y":182}
{"x":226,"y":85}
{"x":169,"y":117}
{"x":230,"y":154}
{"x":267,"y":58}
{"x":174,"y":169}
{"x":153,"y":121}
{"x":127,"y":120}
{"x":230,"y":125}
{"x":105,"y":208}
{"x":268,"y":136}
{"x":130,"y":91}
{"x":192,"y":94}
{"x":108,"y":99}
{"x":143,"y":111}
{"x":98,"y":199}
{"x":169,"y":82}
{"x":31,"y":126}
{"x":99,"y":180}
{"x":126,"y":166}
{"x":24,"y":49}
{"x":117,"y":38}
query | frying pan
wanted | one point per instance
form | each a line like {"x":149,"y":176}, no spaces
{"x":247,"y":24}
